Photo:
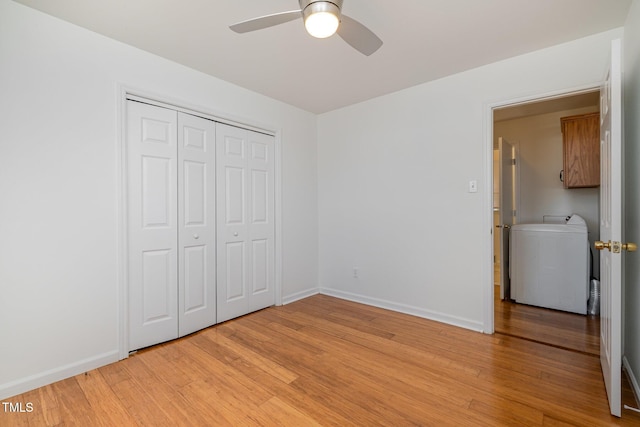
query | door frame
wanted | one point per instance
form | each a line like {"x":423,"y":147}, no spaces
{"x":488,"y":326}
{"x":125,"y":92}
{"x":516,"y":207}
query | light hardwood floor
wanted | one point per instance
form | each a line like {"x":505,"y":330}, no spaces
{"x":325,"y":361}
{"x":557,"y":328}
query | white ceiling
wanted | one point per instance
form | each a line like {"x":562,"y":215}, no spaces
{"x":423,"y":40}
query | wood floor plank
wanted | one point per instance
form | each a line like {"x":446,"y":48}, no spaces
{"x":48,"y":413}
{"x":150,"y":397}
{"x":264,"y":363}
{"x":204,"y":403}
{"x":225,"y":379}
{"x":331,"y":362}
{"x":209,"y":342}
{"x":72,"y":402}
{"x":282,"y":413}
{"x":223,"y":408}
{"x":507,"y":412}
{"x":553,"y":327}
{"x":105,"y":406}
{"x":434,"y":383}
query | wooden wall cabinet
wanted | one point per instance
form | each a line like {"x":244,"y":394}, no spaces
{"x":581,"y":150}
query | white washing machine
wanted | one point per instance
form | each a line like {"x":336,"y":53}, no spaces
{"x":550,"y":265}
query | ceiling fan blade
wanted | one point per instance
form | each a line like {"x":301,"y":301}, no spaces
{"x":265,"y":21}
{"x":358,"y":36}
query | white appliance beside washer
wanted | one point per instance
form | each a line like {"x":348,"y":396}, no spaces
{"x":550,"y":265}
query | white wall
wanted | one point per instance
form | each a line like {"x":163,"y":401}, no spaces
{"x":393,"y":179}
{"x":539,"y":141}
{"x":631,"y":231}
{"x":59,"y":188}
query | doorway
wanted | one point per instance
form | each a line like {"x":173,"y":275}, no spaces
{"x":533,"y":127}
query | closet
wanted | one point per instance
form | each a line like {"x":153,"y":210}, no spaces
{"x":200,"y":216}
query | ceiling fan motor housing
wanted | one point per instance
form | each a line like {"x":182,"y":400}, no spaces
{"x":314,"y":6}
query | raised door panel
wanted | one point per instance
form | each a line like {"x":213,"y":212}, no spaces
{"x":152,"y":222}
{"x":197,"y":223}
{"x":195,"y":279}
{"x":234,"y":196}
{"x":195,"y":197}
{"x":259,"y":195}
{"x":260,"y":266}
{"x":234,"y":280}
{"x":157,"y":285}
{"x":156,"y":191}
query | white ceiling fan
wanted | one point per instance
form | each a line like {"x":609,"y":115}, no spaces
{"x":321,"y":19}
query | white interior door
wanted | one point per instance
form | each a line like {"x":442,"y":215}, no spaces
{"x":196,"y":223}
{"x":611,"y":228}
{"x":508,"y":208}
{"x":245,"y":206}
{"x":152,"y":211}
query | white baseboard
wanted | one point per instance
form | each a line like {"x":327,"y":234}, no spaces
{"x":47,"y":377}
{"x":632,"y":378}
{"x":299,"y":295}
{"x":406,"y":309}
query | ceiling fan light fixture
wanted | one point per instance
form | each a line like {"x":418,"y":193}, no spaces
{"x":321,"y":19}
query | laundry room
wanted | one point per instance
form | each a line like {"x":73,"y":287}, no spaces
{"x":533,"y":133}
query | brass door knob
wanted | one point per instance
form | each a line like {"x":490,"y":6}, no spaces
{"x":615,"y":246}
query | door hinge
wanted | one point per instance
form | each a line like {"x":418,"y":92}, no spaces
{"x":514,"y":213}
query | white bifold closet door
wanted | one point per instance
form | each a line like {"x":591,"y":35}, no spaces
{"x":246,"y":227}
{"x":196,"y":223}
{"x":171,"y":224}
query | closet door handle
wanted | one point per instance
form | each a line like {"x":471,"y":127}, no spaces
{"x":235,"y":234}
{"x":195,"y":236}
